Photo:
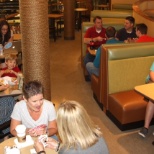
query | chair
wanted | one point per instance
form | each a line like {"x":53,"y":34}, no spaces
{"x":17,"y":45}
{"x":84,"y":15}
{"x":4,"y":126}
{"x":52,"y":30}
{"x":60,"y":23}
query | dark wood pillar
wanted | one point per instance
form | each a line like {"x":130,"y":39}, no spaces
{"x":35,"y":42}
{"x":69,"y":19}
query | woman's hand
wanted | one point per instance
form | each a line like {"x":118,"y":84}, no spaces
{"x":38,"y":146}
{"x":37,"y":131}
{"x":31,"y":132}
{"x":51,"y":143}
{"x":41,"y":131}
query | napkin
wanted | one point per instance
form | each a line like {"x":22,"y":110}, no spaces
{"x":7,"y":80}
{"x":29,"y":141}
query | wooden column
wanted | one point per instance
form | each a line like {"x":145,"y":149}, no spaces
{"x":69,"y":19}
{"x":35,"y":42}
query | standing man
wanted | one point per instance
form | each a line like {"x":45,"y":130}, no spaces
{"x":128,"y":32}
{"x":95,"y":34}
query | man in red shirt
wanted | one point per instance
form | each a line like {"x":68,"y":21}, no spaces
{"x":95,"y":34}
{"x":141,"y":32}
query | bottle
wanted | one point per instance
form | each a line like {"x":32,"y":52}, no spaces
{"x":1,"y":50}
{"x":20,"y":79}
{"x":91,"y":44}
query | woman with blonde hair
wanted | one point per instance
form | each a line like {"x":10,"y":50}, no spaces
{"x":77,"y":132}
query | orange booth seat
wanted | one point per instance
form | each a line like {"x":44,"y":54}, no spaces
{"x":123,"y":66}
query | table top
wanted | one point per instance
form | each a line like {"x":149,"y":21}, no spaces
{"x":146,"y":90}
{"x":26,"y":150}
{"x":11,"y":91}
{"x":80,"y":9}
{"x":8,"y":51}
{"x":55,"y":15}
{"x":16,"y":37}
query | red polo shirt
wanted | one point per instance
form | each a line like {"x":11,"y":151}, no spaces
{"x":145,"y":38}
{"x":92,"y":33}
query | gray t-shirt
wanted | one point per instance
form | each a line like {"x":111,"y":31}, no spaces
{"x":99,"y":148}
{"x":20,"y":113}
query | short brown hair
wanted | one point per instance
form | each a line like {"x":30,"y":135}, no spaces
{"x":131,"y":19}
{"x":10,"y":57}
{"x":142,"y":28}
{"x":110,"y":31}
{"x":32,"y":88}
{"x":97,"y":17}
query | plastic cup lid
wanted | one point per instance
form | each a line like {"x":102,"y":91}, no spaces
{"x":8,"y":45}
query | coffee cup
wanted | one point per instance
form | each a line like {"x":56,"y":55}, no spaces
{"x":21,"y":133}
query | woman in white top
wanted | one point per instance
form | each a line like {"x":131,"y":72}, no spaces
{"x":36,"y":113}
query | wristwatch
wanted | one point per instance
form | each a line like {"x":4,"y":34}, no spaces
{"x":58,"y":147}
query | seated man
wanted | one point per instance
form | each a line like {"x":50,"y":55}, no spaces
{"x":150,"y":106}
{"x":128,"y":32}
{"x":93,"y":67}
{"x":141,"y":32}
{"x":95,"y":34}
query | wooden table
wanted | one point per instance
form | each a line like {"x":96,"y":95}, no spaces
{"x":8,"y":51}
{"x":103,"y":6}
{"x":80,"y":10}
{"x":53,"y":17}
{"x":16,"y":37}
{"x":11,"y":91}
{"x":146,"y":90}
{"x":26,"y":150}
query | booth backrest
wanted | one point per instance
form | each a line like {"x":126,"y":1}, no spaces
{"x":120,"y":7}
{"x":86,"y":25}
{"x":125,"y":65}
{"x":111,"y":15}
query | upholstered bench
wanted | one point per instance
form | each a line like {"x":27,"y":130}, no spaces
{"x":123,"y":66}
{"x":111,"y":15}
{"x":122,"y":7}
{"x":125,"y":106}
{"x":85,"y":26}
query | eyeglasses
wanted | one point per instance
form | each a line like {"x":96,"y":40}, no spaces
{"x":4,"y":29}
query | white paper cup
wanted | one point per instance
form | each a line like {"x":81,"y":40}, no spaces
{"x":21,"y":133}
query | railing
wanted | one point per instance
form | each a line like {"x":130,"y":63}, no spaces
{"x":9,"y":7}
{"x":145,"y":9}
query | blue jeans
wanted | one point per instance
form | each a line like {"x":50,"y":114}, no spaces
{"x":88,"y":58}
{"x":92,"y":69}
{"x":6,"y":108}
